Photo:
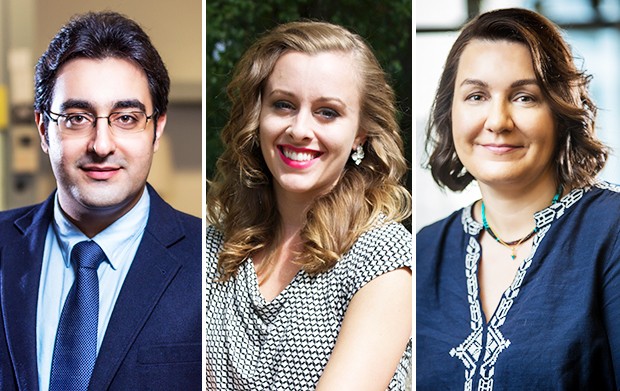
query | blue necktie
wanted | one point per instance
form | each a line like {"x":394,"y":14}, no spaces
{"x":75,"y":350}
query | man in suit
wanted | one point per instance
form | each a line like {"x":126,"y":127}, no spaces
{"x":130,"y":319}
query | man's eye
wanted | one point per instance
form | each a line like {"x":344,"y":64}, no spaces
{"x":126,"y":119}
{"x":77,"y":119}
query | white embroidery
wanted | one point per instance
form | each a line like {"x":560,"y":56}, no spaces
{"x":608,"y":186}
{"x":471,"y":226}
{"x":469,"y":350}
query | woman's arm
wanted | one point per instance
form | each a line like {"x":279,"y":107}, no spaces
{"x":373,"y":337}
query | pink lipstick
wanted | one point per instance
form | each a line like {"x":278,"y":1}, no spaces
{"x":298,"y":157}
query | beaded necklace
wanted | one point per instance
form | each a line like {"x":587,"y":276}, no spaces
{"x":514,"y":245}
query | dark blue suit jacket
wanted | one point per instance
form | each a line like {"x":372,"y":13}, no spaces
{"x":153,"y":339}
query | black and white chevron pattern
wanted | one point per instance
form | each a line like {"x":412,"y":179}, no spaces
{"x":284,"y":344}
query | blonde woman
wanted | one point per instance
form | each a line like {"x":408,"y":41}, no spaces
{"x":309,"y":269}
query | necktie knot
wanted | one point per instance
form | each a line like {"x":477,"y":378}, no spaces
{"x":87,"y":254}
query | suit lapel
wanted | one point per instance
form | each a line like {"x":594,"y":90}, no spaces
{"x":20,"y":273}
{"x":152,"y":270}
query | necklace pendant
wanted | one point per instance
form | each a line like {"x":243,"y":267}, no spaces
{"x":513,"y":254}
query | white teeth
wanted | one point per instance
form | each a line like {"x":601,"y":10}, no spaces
{"x":298,"y":156}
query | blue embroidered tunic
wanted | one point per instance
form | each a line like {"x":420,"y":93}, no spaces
{"x":557,"y":327}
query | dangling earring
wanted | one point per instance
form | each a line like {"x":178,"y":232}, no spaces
{"x":358,"y":154}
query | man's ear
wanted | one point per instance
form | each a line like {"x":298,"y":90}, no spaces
{"x":39,"y":119}
{"x":161,"y":124}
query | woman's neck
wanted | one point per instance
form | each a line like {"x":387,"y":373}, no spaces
{"x":275,"y":266}
{"x":292,"y":208}
{"x":510,"y":212}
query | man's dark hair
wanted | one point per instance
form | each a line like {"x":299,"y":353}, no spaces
{"x":100,"y":35}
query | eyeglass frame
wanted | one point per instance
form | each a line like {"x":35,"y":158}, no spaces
{"x":95,"y":118}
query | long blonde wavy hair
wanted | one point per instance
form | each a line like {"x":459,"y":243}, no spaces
{"x":240,"y":200}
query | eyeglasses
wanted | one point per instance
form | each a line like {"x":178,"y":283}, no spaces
{"x":82,"y":123}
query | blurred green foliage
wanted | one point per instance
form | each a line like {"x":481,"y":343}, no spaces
{"x":233,"y":25}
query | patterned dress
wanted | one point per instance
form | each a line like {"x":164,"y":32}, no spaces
{"x":557,"y":327}
{"x":284,"y":344}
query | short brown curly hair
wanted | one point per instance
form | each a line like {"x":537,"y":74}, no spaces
{"x":580,"y":156}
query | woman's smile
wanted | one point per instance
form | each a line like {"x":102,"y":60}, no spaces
{"x":298,"y":157}
{"x":501,"y":149}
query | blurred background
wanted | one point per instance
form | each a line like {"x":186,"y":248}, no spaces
{"x":591,"y":27}
{"x":233,"y":25}
{"x":175,"y":28}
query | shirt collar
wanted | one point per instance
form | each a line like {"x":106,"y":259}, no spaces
{"x":541,"y":218}
{"x":112,"y":240}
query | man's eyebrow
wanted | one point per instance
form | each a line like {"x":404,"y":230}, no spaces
{"x":88,"y":106}
{"x":76,"y":104}
{"x":129,"y":104}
